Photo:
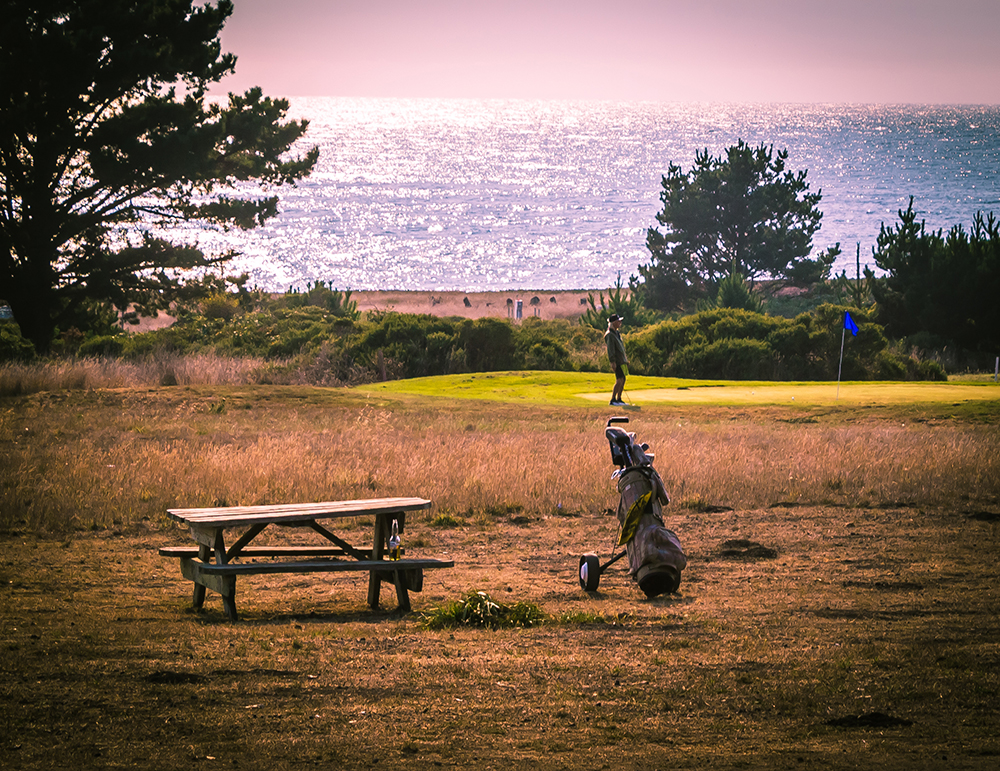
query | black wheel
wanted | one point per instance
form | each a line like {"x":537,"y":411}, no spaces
{"x":590,"y":572}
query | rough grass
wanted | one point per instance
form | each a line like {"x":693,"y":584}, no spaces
{"x":90,"y":373}
{"x":838,"y":611}
{"x":114,"y":458}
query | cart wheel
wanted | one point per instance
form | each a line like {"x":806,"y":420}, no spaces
{"x":590,"y":572}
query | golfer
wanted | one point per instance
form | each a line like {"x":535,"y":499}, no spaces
{"x":617,"y":357}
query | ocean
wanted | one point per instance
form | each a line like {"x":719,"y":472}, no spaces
{"x":478,"y":195}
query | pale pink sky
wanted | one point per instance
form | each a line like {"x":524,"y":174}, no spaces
{"x":884,"y":51}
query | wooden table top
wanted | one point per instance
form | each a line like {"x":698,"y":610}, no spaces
{"x":288,"y":513}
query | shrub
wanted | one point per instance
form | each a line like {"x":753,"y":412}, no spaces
{"x":110,"y":346}
{"x":736,"y":292}
{"x":13,"y":347}
{"x":740,"y":323}
{"x":144,"y":344}
{"x":311,"y":344}
{"x":219,"y":306}
{"x":488,"y":344}
{"x":323,"y":295}
{"x":726,"y":359}
{"x":539,"y":349}
{"x":420,"y":345}
{"x":546,"y":355}
{"x":738,"y":344}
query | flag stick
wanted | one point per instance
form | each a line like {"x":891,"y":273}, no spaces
{"x":843,"y":334}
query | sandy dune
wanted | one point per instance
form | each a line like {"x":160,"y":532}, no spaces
{"x":474,"y":305}
{"x":471,"y":305}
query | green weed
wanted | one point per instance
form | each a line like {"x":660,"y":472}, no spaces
{"x":479,"y":609}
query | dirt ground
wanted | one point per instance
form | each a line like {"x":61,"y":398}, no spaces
{"x":801,"y":637}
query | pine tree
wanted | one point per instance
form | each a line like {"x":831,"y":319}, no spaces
{"x":106,"y":135}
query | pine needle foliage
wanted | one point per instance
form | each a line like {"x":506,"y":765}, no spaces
{"x":625,"y":302}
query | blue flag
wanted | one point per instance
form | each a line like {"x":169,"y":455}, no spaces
{"x":849,"y":324}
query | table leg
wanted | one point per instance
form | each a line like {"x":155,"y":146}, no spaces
{"x":378,"y":550}
{"x":229,"y":603}
{"x":380,"y":540}
{"x":224,"y":585}
{"x":228,"y":592}
{"x":402,"y":596}
{"x":199,"y":590}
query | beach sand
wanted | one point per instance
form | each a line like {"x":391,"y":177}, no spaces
{"x":471,"y":305}
{"x":474,"y":305}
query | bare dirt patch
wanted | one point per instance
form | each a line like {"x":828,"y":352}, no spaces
{"x":562,"y":304}
{"x":867,"y":640}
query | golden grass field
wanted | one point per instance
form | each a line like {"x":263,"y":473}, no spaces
{"x":839,"y":609}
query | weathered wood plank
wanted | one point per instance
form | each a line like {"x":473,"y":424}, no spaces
{"x":317,"y":527}
{"x":332,"y":566}
{"x":233,"y":516}
{"x":266,"y":551}
{"x":402,"y":585}
{"x":193,"y":570}
{"x":242,"y":541}
{"x":204,"y":536}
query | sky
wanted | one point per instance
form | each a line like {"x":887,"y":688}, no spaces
{"x":815,"y":51}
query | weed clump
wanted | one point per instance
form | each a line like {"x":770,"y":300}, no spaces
{"x":478,"y":609}
{"x":446,"y":521}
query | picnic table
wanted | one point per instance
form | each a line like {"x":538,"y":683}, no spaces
{"x":214,"y":565}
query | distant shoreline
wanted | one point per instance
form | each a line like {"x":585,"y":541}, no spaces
{"x":558,"y":304}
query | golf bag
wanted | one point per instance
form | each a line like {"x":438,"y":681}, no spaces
{"x":655,"y":556}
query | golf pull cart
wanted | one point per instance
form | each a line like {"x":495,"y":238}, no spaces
{"x":654,"y":553}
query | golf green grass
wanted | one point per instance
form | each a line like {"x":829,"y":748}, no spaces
{"x":583,"y":388}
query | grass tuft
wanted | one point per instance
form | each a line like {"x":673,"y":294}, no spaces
{"x":591,"y":618}
{"x":479,"y":609}
{"x":446,"y":521}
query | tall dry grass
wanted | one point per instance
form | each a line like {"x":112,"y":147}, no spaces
{"x":115,"y":458}
{"x":864,"y":464}
{"x":18,"y":378}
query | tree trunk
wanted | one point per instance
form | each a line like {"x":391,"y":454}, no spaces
{"x":35,"y":320}
{"x":29,"y":290}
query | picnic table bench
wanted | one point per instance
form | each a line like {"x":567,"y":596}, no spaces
{"x":212,"y":565}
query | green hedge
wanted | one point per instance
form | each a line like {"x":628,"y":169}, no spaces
{"x":741,"y":345}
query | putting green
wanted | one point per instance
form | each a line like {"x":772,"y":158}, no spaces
{"x":579,"y":388}
{"x":812,"y":394}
